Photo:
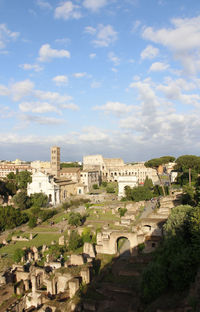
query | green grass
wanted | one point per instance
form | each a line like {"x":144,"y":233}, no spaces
{"x":107,"y":216}
{"x":47,"y":229}
{"x":38,"y":240}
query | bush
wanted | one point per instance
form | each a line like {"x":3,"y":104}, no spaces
{"x":86,"y":235}
{"x":110,"y":189}
{"x":39,"y":200}
{"x":21,"y":200}
{"x":154,"y":281}
{"x":104,"y":183}
{"x":75,"y":241}
{"x":11,"y":217}
{"x":32,"y":222}
{"x":95,"y":186}
{"x":75,"y":219}
{"x":122,"y":211}
{"x":18,"y":254}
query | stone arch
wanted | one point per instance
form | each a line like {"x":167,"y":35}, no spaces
{"x":128,"y":251}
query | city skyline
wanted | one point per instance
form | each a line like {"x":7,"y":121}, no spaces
{"x":117,"y":78}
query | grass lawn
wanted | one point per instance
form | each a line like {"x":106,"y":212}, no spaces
{"x":41,"y":228}
{"x":37,"y":241}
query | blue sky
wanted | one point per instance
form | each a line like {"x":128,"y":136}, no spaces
{"x":118,"y":78}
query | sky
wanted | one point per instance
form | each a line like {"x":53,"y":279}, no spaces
{"x":111,"y":77}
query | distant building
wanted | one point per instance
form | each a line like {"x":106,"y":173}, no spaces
{"x":71,"y":173}
{"x":57,"y":190}
{"x":124,"y":181}
{"x":112,"y":168}
{"x":89,"y":178}
{"x":43,"y":166}
{"x":8,"y":167}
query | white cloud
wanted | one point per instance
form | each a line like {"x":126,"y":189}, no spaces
{"x":95,"y":84}
{"x":90,"y":30}
{"x":92,"y":55}
{"x":60,"y":80}
{"x":79,"y":75}
{"x":26,"y":90}
{"x":35,"y":67}
{"x":149,"y":52}
{"x":41,"y":120}
{"x":94,"y":5}
{"x":105,"y":35}
{"x":6,"y":112}
{"x":67,"y":10}
{"x":4,"y":90}
{"x":136,"y":25}
{"x":63,"y":41}
{"x":37,"y":107}
{"x":182,"y":39}
{"x":115,"y":108}
{"x":158,"y":66}
{"x":6,"y":35}
{"x":46,"y":53}
{"x":44,"y":4}
{"x":92,"y":133}
{"x":21,"y":89}
{"x":113,"y":58}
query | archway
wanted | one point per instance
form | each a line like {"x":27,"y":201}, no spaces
{"x":123,"y":246}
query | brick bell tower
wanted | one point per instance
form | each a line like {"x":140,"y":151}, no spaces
{"x":55,"y":161}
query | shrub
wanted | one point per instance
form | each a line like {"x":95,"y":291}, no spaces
{"x":95,"y":186}
{"x":75,"y":241}
{"x":110,"y":189}
{"x":104,"y":183}
{"x":18,"y":254}
{"x":75,"y":219}
{"x":32,"y":222}
{"x":122,"y":211}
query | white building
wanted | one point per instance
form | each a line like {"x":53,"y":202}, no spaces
{"x":124,"y":181}
{"x":44,"y":183}
{"x":88,"y":178}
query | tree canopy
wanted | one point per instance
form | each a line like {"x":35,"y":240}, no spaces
{"x":156,"y":162}
{"x":188,"y":161}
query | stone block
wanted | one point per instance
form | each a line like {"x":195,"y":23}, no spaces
{"x":85,"y":274}
{"x":61,"y":240}
{"x":76,"y":260}
{"x":88,"y":250}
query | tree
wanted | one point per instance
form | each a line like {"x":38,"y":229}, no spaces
{"x":156,"y":162}
{"x":75,"y":219}
{"x":188,"y":165}
{"x":175,"y":222}
{"x":148,"y":183}
{"x":11,"y":217}
{"x":138,"y":193}
{"x":21,"y":200}
{"x":23,"y":178}
{"x":39,"y":200}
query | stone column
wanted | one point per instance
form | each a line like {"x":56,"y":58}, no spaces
{"x":73,"y":287}
{"x":34,"y":283}
{"x":85,"y":274}
{"x":26,"y":284}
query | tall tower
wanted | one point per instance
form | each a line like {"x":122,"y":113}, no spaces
{"x":55,"y":160}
